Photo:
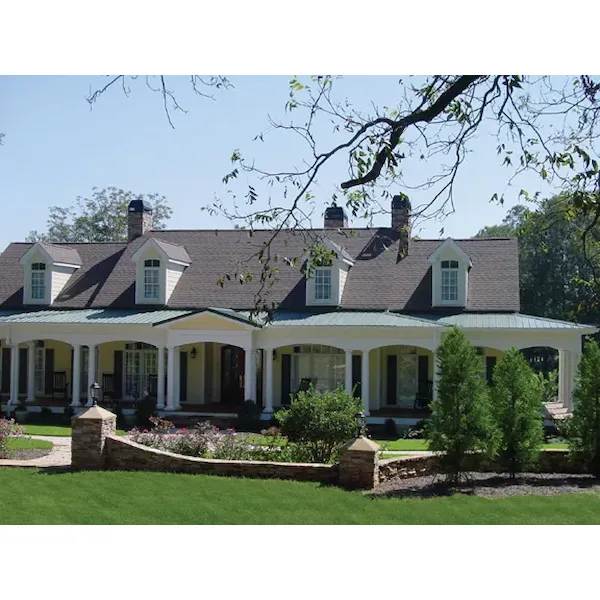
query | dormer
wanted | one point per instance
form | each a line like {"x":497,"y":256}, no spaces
{"x":325,"y":283}
{"x":47,"y":269}
{"x":450,"y":266}
{"x":159,"y":266}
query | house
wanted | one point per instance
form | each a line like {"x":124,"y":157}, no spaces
{"x":148,"y":316}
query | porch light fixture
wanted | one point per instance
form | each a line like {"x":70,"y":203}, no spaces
{"x":360,"y":423}
{"x":193,"y":353}
{"x":94,"y":393}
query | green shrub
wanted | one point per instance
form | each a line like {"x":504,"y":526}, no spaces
{"x":549,"y":385}
{"x":389,"y":429}
{"x":461,"y":423}
{"x":517,"y":410}
{"x":145,"y":409}
{"x":248,"y":417}
{"x":321,"y":422}
{"x":67,"y":415}
{"x":583,"y":432}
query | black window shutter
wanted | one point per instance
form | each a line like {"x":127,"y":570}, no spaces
{"x":49,"y":374}
{"x":423,"y":374}
{"x":490,"y":363}
{"x":72,"y":361}
{"x":22,"y":370}
{"x":118,"y":371}
{"x":286,"y":378}
{"x":6,"y":370}
{"x":356,"y":374}
{"x":392,"y":379}
{"x":183,"y":373}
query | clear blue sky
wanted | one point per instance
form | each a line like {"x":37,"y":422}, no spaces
{"x":56,"y":149}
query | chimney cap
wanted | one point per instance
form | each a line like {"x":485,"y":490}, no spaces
{"x":401,"y":201}
{"x":138,"y":206}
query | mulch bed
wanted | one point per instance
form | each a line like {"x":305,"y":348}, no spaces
{"x":30,"y":454}
{"x":489,"y":485}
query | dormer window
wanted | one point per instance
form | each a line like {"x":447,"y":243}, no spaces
{"x":38,"y":281}
{"x":449,"y":280}
{"x":152,"y":279}
{"x":323,"y":283}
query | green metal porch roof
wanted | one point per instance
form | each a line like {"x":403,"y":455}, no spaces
{"x":91,"y":316}
{"x":349,"y":319}
{"x":504,"y":321}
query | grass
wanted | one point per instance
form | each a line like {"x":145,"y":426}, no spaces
{"x":34,"y":497}
{"x":28,"y":444}
{"x":55,"y":430}
{"x":392,"y":455}
{"x":421,"y":444}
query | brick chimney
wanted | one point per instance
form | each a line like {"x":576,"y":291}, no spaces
{"x":335,"y":217}
{"x":139,"y":219}
{"x":401,"y":222}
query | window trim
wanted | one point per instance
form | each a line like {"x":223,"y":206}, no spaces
{"x":38,"y":280}
{"x":151,"y":266}
{"x":449,"y":270}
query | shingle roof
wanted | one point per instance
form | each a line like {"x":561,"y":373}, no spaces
{"x":173,"y":251}
{"x":377,"y":281}
{"x":62,"y":253}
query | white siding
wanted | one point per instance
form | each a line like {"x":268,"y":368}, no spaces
{"x":343,"y":275}
{"x":173,"y":275}
{"x":59,"y":277}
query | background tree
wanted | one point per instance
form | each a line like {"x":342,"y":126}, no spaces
{"x":584,"y":425}
{"x":101,"y":218}
{"x":461,"y":421}
{"x":517,"y":411}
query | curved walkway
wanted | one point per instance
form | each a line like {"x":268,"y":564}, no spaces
{"x":60,"y":456}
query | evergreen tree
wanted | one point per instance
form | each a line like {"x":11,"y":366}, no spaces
{"x":584,"y":428}
{"x":461,"y":422}
{"x":517,"y":411}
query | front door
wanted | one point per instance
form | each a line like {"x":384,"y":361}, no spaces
{"x":232,"y":375}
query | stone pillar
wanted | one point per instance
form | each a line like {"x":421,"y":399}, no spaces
{"x":88,"y":438}
{"x":91,"y":372}
{"x":364,"y":383}
{"x":76,"y":376}
{"x":30,"y":371}
{"x":348,"y":371}
{"x":171,"y":378}
{"x":249,"y":374}
{"x":160,"y":380}
{"x":359,"y":465}
{"x":14,"y":375}
{"x":268,"y":380}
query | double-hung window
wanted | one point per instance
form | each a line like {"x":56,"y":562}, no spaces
{"x":38,"y":281}
{"x":323,"y":283}
{"x":151,"y":279}
{"x":449,"y":280}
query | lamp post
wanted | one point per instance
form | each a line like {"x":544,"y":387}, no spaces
{"x":360,"y":423}
{"x":94,"y":393}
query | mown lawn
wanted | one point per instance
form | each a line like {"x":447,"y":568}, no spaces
{"x":28,"y":444}
{"x":57,"y":430}
{"x":421,"y":444}
{"x":34,"y":497}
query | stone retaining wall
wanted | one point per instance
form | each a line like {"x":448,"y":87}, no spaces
{"x":551,"y":461}
{"x":123,"y":454}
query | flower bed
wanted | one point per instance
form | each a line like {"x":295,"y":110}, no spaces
{"x":8,"y":429}
{"x":207,"y":441}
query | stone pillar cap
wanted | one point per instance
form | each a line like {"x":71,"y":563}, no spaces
{"x":96,"y":412}
{"x":362,"y":444}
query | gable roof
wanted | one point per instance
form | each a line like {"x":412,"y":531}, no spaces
{"x":377,"y":281}
{"x":58,"y":253}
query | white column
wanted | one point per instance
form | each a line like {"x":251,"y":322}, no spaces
{"x":348,"y":371}
{"x":160,"y":380}
{"x":564,"y":368}
{"x":14,"y":374}
{"x":202,"y":353}
{"x":268,"y":380}
{"x":171,"y":378}
{"x":76,"y":376}
{"x":30,"y":371}
{"x":249,"y":374}
{"x":91,"y":372}
{"x":177,"y":380}
{"x":364,"y":383}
